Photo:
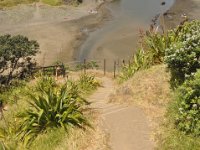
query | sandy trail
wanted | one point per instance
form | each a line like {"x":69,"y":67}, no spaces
{"x":127,"y":126}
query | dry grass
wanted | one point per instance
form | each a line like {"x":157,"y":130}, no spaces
{"x":89,"y":139}
{"x":150,"y":90}
{"x":75,"y":138}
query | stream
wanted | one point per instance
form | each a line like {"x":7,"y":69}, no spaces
{"x":117,"y":39}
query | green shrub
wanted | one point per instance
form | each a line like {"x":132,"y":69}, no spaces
{"x":152,"y":52}
{"x":87,"y":82}
{"x":139,"y":62}
{"x":45,"y":83}
{"x":182,"y":58}
{"x":53,"y":2}
{"x":188,"y":106}
{"x":88,"y":65}
{"x":51,"y":108}
{"x":8,"y":139}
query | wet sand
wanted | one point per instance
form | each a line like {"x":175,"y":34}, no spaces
{"x":123,"y":42}
{"x":59,"y":30}
{"x":189,"y":7}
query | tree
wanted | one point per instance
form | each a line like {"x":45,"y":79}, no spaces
{"x":16,"y":56}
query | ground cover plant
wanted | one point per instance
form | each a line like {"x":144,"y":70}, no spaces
{"x":10,"y":3}
{"x":45,"y":108}
{"x":52,"y":108}
{"x":88,"y":83}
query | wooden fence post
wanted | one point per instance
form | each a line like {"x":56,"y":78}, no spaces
{"x":123,"y":61}
{"x":56,"y":72}
{"x":63,"y":70}
{"x":104,"y":66}
{"x":114,"y":69}
{"x":84,"y":66}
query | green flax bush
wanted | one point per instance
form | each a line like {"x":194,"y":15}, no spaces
{"x":52,"y":107}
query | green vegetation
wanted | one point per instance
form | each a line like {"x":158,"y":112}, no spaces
{"x":42,"y":111}
{"x":188,"y":103}
{"x":88,"y":82}
{"x":175,"y":47}
{"x":87,"y":65}
{"x":173,"y":139}
{"x":10,"y":3}
{"x":182,"y":128}
{"x":52,"y":108}
{"x":16,"y":57}
{"x":182,"y":57}
{"x":52,"y":2}
{"x":151,"y":52}
{"x":179,"y":49}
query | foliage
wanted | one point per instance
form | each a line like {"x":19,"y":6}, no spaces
{"x":45,"y":83}
{"x":174,"y":139}
{"x":152,"y":52}
{"x":188,"y":106}
{"x":16,"y":57}
{"x":12,"y":95}
{"x":88,"y":65}
{"x":51,"y":139}
{"x":9,"y":3}
{"x":87,"y":82}
{"x":52,"y":108}
{"x":182,"y":57}
{"x":139,"y":62}
{"x":73,"y":2}
{"x":8,"y":140}
{"x":52,"y":2}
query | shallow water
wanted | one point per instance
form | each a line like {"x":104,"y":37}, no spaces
{"x":117,"y":38}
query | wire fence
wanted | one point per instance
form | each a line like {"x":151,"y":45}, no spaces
{"x":62,"y":69}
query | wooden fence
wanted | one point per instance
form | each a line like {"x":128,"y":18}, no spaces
{"x":62,"y":69}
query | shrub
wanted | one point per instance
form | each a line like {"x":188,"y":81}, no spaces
{"x":152,"y":52}
{"x":45,"y":83}
{"x":8,"y":140}
{"x":16,"y":57}
{"x":188,"y":106}
{"x":139,"y":62}
{"x":88,"y":65}
{"x":182,"y":58}
{"x":51,"y":108}
{"x":87,"y":82}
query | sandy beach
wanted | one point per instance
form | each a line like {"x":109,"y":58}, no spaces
{"x":59,"y":30}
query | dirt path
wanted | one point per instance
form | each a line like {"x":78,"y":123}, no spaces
{"x":127,"y":126}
